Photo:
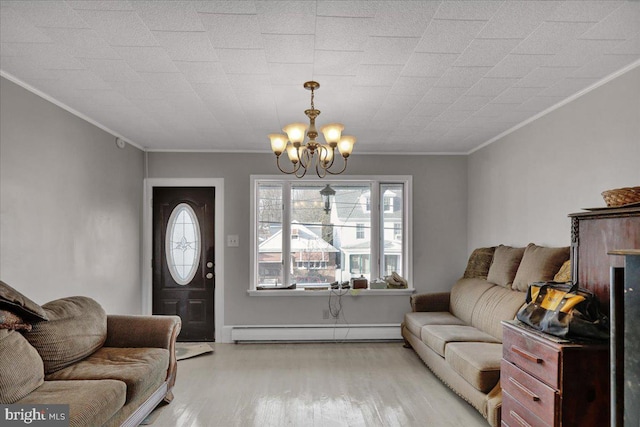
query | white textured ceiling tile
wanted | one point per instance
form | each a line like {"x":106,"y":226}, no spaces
{"x":169,"y":15}
{"x":111,"y":70}
{"x":233,"y":31}
{"x":121,"y":5}
{"x":14,"y":28}
{"x":455,"y":116}
{"x":332,"y":62}
{"x":462,"y":76}
{"x":81,"y":42}
{"x":545,"y":76}
{"x":495,"y":110}
{"x":80,"y":79}
{"x":389,"y":50}
{"x":470,"y":103}
{"x":378,"y":75}
{"x":119,"y":28}
{"x":186,"y":46}
{"x":443,"y":95}
{"x":604,"y":65}
{"x":583,"y":11}
{"x":212,"y":93}
{"x":517,"y":19}
{"x":286,"y":17}
{"x":552,"y":37}
{"x":290,"y":74}
{"x":490,"y":86}
{"x":243,"y":61}
{"x":518,"y":65}
{"x":48,"y":13}
{"x":486,"y":52}
{"x":167,"y":82}
{"x":135,"y":90}
{"x":403,"y":18}
{"x":567,"y":87}
{"x":146,"y":59}
{"x":365,"y":96}
{"x":539,"y":103}
{"x":629,"y":47}
{"x":421,"y":121}
{"x":342,"y":33}
{"x":439,"y":128}
{"x":352,"y":9}
{"x":413,"y":85}
{"x":468,"y":10}
{"x":428,"y":64}
{"x":226,"y":7}
{"x":449,"y":36}
{"x":579,"y":52}
{"x":50,"y":56}
{"x":261,"y":85}
{"x":622,"y":22}
{"x":517,"y":95}
{"x":289,"y":49}
{"x":202,"y":72}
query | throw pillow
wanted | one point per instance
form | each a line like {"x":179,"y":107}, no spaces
{"x":10,"y":320}
{"x":505,"y":265}
{"x":539,"y":264}
{"x":564,"y":274}
{"x":479,"y":263}
{"x":21,"y":369}
{"x":77,"y":327}
{"x":14,"y":301}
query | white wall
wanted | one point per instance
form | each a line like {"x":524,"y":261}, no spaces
{"x":70,"y":205}
{"x":523,"y":186}
{"x":439,"y":232}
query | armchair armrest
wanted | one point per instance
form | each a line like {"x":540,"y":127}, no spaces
{"x":430,"y":302}
{"x":142,"y":331}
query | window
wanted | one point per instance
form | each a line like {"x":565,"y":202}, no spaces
{"x":182,"y":243}
{"x":297,"y":240}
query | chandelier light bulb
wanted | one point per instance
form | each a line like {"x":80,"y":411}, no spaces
{"x":332,"y":133}
{"x":346,"y":145}
{"x":278,"y":143}
{"x":295,"y":132}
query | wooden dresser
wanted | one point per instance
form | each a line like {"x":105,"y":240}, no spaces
{"x":548,"y":381}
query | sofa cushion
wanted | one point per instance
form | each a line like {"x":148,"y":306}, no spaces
{"x":414,"y":321}
{"x":477,"y":362}
{"x":141,"y":369}
{"x":91,"y":403}
{"x":21,"y":369}
{"x":10,"y":320}
{"x":438,"y":336}
{"x":464,"y":296}
{"x":495,"y":305}
{"x":539,"y":264}
{"x":479,"y":263}
{"x":14,"y":301}
{"x":76,"y":328}
{"x":505,"y":265}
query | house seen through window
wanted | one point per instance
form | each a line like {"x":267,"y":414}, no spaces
{"x":297,"y":240}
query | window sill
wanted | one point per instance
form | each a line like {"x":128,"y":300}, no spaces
{"x":324,"y":293}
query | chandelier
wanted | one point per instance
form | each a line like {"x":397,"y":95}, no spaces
{"x":305,"y":156}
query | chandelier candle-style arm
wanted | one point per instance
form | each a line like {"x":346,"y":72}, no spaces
{"x":303,"y":155}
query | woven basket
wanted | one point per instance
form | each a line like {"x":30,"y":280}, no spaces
{"x":621,"y":196}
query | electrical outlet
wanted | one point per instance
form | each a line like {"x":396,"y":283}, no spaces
{"x":233,"y":240}
{"x":325,"y":314}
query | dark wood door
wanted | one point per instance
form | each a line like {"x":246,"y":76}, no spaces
{"x":183,"y":263}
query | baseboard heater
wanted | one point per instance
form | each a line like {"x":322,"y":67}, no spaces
{"x":255,"y":333}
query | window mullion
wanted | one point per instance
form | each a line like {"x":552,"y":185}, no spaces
{"x":375,"y":212}
{"x":286,"y":233}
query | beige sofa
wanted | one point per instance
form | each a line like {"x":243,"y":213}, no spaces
{"x":458,"y":333}
{"x":110,"y":370}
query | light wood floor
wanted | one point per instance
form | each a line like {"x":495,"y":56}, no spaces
{"x":328,"y":384}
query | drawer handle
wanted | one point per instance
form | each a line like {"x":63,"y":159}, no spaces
{"x":525,"y":390}
{"x":526,"y":354}
{"x":519,"y":419}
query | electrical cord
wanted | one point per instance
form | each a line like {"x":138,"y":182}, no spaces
{"x":336,"y":309}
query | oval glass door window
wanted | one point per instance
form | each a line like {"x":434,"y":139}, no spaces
{"x":183,"y":244}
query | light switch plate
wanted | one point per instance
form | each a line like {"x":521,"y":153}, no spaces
{"x":233,"y":240}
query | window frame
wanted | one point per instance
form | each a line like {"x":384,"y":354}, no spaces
{"x":377,"y":224}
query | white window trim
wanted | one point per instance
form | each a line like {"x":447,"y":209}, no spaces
{"x":376,"y":225}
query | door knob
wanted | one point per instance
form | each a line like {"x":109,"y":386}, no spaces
{"x":209,"y":275}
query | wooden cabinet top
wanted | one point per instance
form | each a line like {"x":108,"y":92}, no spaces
{"x":607,"y":213}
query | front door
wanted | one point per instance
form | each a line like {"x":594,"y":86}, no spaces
{"x":183,"y":263}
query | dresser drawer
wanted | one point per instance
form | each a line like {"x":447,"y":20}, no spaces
{"x":531,"y":355}
{"x":516,"y":415}
{"x":531,"y":393}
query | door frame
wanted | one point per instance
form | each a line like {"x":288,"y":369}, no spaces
{"x":147,"y":242}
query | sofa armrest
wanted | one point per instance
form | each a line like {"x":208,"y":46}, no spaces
{"x":142,"y":331}
{"x":430,"y":302}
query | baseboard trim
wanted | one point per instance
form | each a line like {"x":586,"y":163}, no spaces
{"x":258,"y":333}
